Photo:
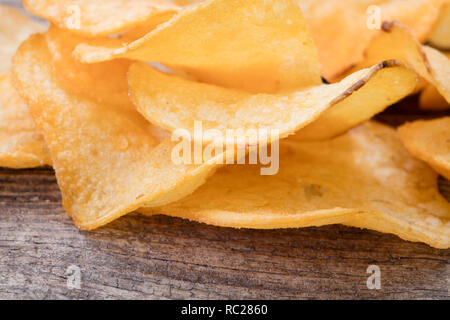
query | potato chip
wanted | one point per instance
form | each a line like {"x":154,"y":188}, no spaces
{"x":108,"y":159}
{"x":364,"y":179}
{"x":186,"y":2}
{"x":14,"y":28}
{"x":343,"y":29}
{"x":252,"y":45}
{"x":397,"y":42}
{"x":100,"y":18}
{"x":440,"y":36}
{"x":173,"y":102}
{"x":106,"y":81}
{"x":431,"y":99}
{"x":429,"y":141}
{"x":21,"y":143}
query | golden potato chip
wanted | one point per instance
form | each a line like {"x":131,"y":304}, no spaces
{"x":430,"y":142}
{"x":106,"y":81}
{"x":431,"y":99}
{"x":364,"y":178}
{"x":100,"y":18}
{"x":440,"y":36}
{"x":362,"y":105}
{"x":21,"y":143}
{"x":186,"y":2}
{"x":173,"y":102}
{"x":108,"y":159}
{"x":343,"y":29}
{"x":252,"y":45}
{"x":397,"y":42}
{"x":15,"y":27}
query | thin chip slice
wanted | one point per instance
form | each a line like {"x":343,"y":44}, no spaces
{"x":252,"y":45}
{"x":108,"y":160}
{"x":364,"y":179}
{"x":21,"y":143}
{"x":343,"y":29}
{"x":173,"y":102}
{"x":100,"y":18}
{"x":398,"y":42}
{"x":106,"y":81}
{"x":440,"y":36}
{"x":15,"y":27}
{"x":429,"y":141}
{"x":431,"y":99}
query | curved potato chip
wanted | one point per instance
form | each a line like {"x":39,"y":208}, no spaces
{"x":100,"y":18}
{"x":364,"y":178}
{"x":21,"y":143}
{"x":430,"y":142}
{"x":358,"y":108}
{"x":15,"y":27}
{"x":252,"y":45}
{"x":108,"y":160}
{"x":397,"y":42}
{"x":343,"y":29}
{"x":106,"y":81}
{"x":175,"y":103}
{"x":440,"y":36}
{"x":431,"y":99}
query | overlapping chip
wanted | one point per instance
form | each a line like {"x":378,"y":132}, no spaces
{"x":252,"y":45}
{"x":343,"y":29}
{"x":21,"y":143}
{"x":186,"y":2}
{"x":431,"y":99}
{"x":100,"y":18}
{"x":108,"y":160}
{"x":172,"y":102}
{"x":398,"y":42}
{"x":429,"y":140}
{"x":364,"y":179}
{"x":440,"y":36}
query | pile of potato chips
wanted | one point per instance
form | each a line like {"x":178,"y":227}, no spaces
{"x":101,"y":92}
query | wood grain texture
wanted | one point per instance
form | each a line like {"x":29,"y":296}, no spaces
{"x":138,"y":257}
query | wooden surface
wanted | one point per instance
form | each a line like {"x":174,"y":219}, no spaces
{"x":166,"y":258}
